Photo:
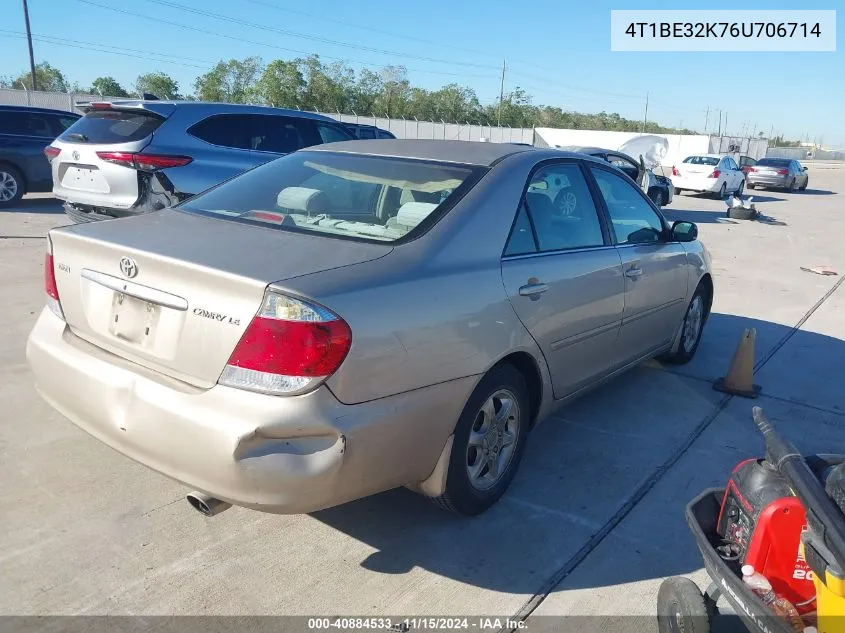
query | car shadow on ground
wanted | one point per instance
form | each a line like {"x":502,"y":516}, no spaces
{"x":714,"y":217}
{"x":817,"y":192}
{"x":753,"y":193}
{"x":34,"y":205}
{"x":580,"y":472}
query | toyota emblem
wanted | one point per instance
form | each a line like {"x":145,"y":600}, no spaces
{"x":128,"y":267}
{"x":75,"y":155}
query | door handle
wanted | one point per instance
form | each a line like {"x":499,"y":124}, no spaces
{"x":533,"y":290}
{"x":633,"y":273}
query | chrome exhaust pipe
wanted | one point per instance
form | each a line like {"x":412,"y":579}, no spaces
{"x":208,"y":506}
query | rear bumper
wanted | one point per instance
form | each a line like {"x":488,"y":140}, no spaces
{"x":767,"y":181}
{"x":702,"y":183}
{"x":275,"y":454}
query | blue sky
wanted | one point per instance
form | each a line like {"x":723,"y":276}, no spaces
{"x":558,"y":51}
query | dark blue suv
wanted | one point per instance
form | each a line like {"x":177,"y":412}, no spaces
{"x":24,"y":133}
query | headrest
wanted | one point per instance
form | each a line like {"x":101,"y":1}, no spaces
{"x":302,"y":199}
{"x":412,"y":213}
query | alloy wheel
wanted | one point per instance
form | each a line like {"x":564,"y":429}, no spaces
{"x":692,"y":323}
{"x":492,"y":439}
{"x":8,"y":186}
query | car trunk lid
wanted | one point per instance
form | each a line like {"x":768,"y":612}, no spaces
{"x":174,"y":292}
{"x":688,"y":169}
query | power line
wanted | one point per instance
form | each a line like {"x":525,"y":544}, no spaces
{"x":324,"y":18}
{"x":314,"y":38}
{"x":274,"y":46}
{"x":118,"y":50}
{"x":135,"y":55}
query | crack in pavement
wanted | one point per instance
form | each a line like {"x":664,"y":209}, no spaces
{"x":644,"y":488}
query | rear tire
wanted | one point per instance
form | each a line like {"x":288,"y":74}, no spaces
{"x":791,"y":188}
{"x":681,"y":607}
{"x":723,"y":191}
{"x":12,"y":185}
{"x":751,"y":185}
{"x":695,"y":317}
{"x":678,"y":191}
{"x":497,"y":411}
{"x":741,"y":188}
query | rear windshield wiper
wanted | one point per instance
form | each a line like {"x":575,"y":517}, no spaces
{"x":77,"y":136}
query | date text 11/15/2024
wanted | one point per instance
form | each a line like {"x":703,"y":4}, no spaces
{"x":405,"y":625}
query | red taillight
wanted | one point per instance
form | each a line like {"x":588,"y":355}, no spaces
{"x":151,"y":162}
{"x":289,"y":347}
{"x":51,"y":152}
{"x":749,"y":170}
{"x":783,"y":172}
{"x":101,"y":105}
{"x":144,"y":162}
{"x":715,"y":174}
{"x":50,"y":287}
{"x":675,"y":172}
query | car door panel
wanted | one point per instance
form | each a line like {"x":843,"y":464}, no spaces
{"x":576,"y":320}
{"x":655,"y":271}
{"x":564,"y":278}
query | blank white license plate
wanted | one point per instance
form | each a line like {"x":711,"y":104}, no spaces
{"x":133,"y":320}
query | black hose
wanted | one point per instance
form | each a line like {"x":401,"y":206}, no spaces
{"x":822,"y":514}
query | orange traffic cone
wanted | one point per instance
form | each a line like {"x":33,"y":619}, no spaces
{"x":738,"y":382}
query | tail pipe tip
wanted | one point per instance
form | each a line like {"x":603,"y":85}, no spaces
{"x":205,"y":505}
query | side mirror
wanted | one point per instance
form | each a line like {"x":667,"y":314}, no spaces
{"x":803,"y":169}
{"x":684,"y":231}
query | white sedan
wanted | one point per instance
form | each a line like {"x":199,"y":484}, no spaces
{"x":708,"y":173}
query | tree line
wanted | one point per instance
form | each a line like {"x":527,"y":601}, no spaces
{"x":308,"y":83}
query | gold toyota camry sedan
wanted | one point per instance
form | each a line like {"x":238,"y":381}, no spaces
{"x":363,"y":315}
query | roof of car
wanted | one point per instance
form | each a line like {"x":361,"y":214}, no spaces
{"x":212,"y":107}
{"x":7,"y":108}
{"x":708,"y":155}
{"x":466,"y":152}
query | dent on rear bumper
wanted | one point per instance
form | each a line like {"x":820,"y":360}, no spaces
{"x":276,"y":454}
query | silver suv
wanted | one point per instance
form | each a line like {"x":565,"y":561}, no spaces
{"x":131,"y":157}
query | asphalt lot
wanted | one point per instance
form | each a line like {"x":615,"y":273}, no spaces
{"x":592,"y":524}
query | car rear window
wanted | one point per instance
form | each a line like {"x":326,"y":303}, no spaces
{"x":343,"y":195}
{"x":701,"y":160}
{"x":773,"y":162}
{"x":112,"y":126}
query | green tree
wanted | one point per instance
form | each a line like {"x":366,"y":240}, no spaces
{"x":159,"y":84}
{"x":395,"y":91}
{"x":230,"y":82}
{"x":48,"y":78}
{"x":281,"y":85}
{"x":108,"y":87}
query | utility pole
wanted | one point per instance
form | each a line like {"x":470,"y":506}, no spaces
{"x":719,"y":134}
{"x":726,"y":124}
{"x":706,"y":119}
{"x":501,"y":96}
{"x":29,"y":41}
{"x":645,"y":116}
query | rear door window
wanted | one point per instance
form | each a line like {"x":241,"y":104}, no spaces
{"x":112,"y":126}
{"x":225,"y":130}
{"x":281,"y":134}
{"x":332,"y":134}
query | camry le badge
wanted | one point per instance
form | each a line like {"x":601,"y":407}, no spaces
{"x":128,"y":267}
{"x":75,"y":155}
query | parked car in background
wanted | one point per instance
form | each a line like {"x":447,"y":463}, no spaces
{"x":360,"y":316}
{"x":782,"y":173}
{"x":708,"y":173}
{"x":365,"y":132}
{"x":657,"y":187}
{"x":745,"y":164}
{"x":130,"y":157}
{"x":24,"y":133}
